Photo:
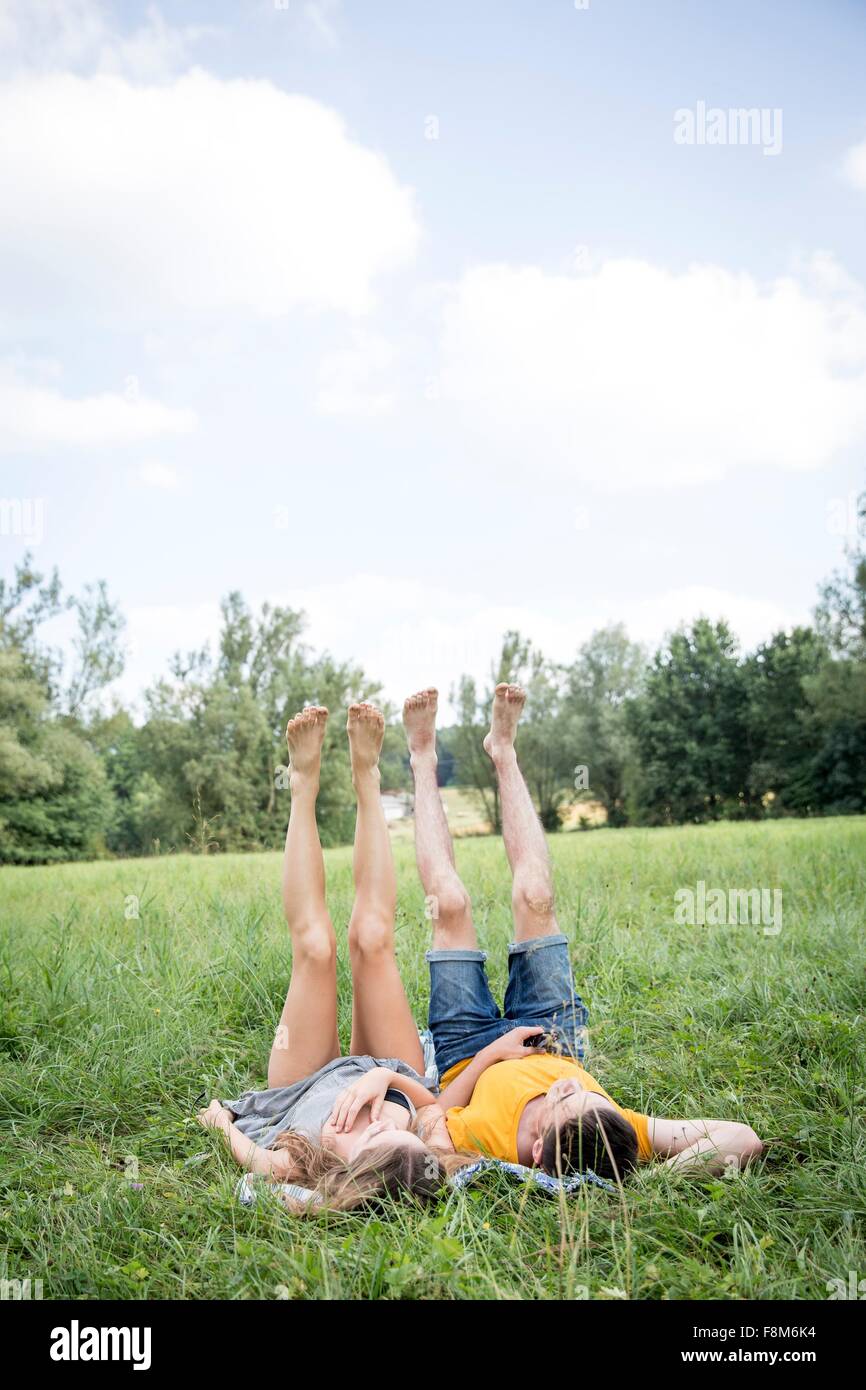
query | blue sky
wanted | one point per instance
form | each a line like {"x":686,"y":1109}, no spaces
{"x":550,"y":368}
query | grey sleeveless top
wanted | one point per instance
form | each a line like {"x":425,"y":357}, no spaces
{"x":305,"y":1105}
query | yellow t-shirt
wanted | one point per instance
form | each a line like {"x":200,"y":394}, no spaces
{"x":488,"y":1124}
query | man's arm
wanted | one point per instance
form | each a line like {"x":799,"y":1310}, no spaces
{"x":433,"y":1129}
{"x":709,"y":1147}
{"x":507,"y":1048}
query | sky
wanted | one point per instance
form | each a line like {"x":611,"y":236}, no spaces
{"x":432,"y":320}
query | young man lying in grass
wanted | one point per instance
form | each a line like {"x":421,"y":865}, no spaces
{"x":514,"y":1087}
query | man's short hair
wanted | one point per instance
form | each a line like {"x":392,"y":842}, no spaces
{"x":602,"y":1140}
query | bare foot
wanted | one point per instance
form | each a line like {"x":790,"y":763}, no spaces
{"x":419,"y":719}
{"x":304,"y":735}
{"x":366,"y":728}
{"x":508,"y":702}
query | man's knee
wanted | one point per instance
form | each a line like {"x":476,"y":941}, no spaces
{"x":533,"y":891}
{"x":448,"y":905}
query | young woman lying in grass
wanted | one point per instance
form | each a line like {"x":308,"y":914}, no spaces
{"x":342,"y":1126}
{"x":514,"y":1087}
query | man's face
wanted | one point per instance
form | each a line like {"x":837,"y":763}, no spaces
{"x":568,"y":1100}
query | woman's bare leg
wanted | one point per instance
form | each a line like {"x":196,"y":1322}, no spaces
{"x":382,"y":1022}
{"x":307,"y":1036}
{"x":525,"y":843}
{"x":449,"y":905}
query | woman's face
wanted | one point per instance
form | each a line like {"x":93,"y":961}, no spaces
{"x":366,"y":1135}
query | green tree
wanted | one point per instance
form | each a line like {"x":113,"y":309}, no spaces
{"x":544,"y":742}
{"x":690,"y":729}
{"x":782,"y":737}
{"x":214,"y":734}
{"x":55,"y":800}
{"x":605,"y":676}
{"x":840,"y":616}
{"x":472,"y":767}
{"x":837,"y":691}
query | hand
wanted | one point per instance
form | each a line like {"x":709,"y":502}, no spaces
{"x":370,"y":1090}
{"x":510,"y":1046}
{"x":215,"y":1117}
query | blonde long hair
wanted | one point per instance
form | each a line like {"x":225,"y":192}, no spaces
{"x":342,"y":1186}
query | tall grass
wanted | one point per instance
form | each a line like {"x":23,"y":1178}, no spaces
{"x":112,"y":1026}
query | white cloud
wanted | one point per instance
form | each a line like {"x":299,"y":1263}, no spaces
{"x":854,"y":167}
{"x":751,"y":619}
{"x":632,"y":375}
{"x":35,"y":416}
{"x":154,"y":632}
{"x":408,"y":635}
{"x":350,"y":379}
{"x":159,"y":475}
{"x":198,"y":194}
{"x":67,"y":35}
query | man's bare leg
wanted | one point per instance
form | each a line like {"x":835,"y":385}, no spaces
{"x":307,"y":1035}
{"x":525,"y":843}
{"x":453,"y":928}
{"x":382,"y":1022}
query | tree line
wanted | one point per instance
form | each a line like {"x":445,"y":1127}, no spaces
{"x":696,"y":731}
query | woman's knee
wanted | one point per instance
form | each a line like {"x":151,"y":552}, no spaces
{"x":314,"y":943}
{"x":371,"y":936}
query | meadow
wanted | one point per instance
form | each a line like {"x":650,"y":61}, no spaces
{"x":114,"y":1024}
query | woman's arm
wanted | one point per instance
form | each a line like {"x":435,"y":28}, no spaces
{"x":710,"y":1147}
{"x":370,"y":1090}
{"x":418,"y":1094}
{"x":272,"y":1163}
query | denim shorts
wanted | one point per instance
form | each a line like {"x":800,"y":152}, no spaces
{"x":464,"y":1016}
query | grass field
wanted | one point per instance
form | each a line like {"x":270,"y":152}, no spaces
{"x":112,"y":1026}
